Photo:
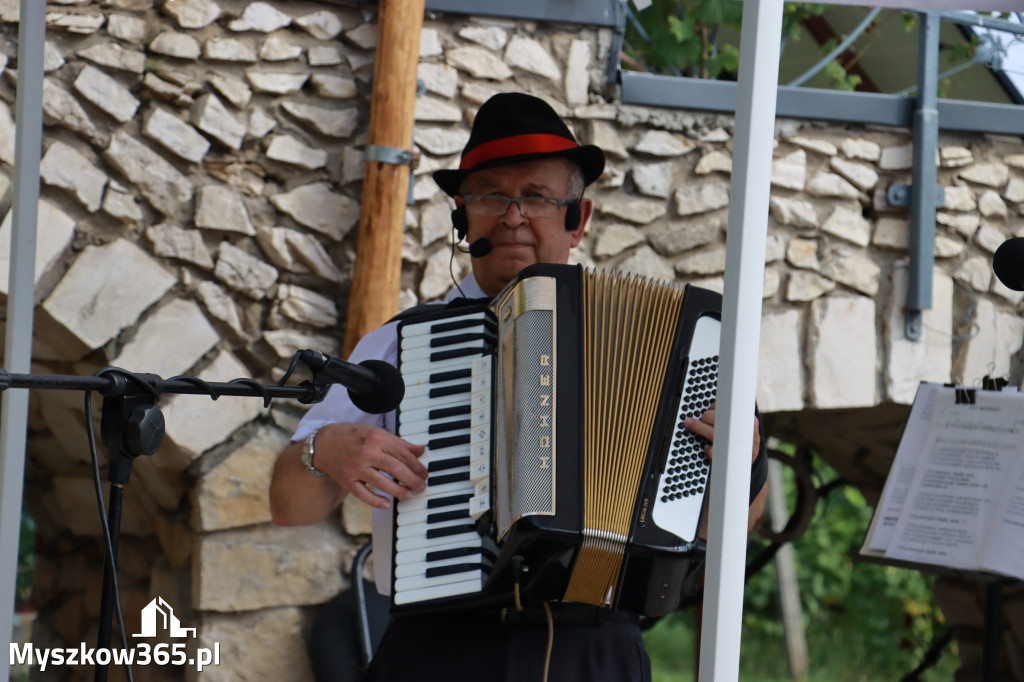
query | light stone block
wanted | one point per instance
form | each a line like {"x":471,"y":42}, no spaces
{"x":780,"y":363}
{"x":276,"y":82}
{"x":284,"y":342}
{"x":709,"y":262}
{"x":842,"y":344}
{"x":930,"y":358}
{"x":803,"y":253}
{"x":119,"y":203}
{"x":854,"y":269}
{"x":242,"y":272}
{"x":991,"y":205}
{"x":491,"y":37}
{"x":322,"y":25}
{"x":992,"y":174}
{"x":675,"y":238}
{"x":440,"y":79}
{"x":848,"y":224}
{"x":235,"y":492}
{"x":175,"y":135}
{"x":287,"y":149}
{"x":654,"y":179}
{"x":695,"y":198}
{"x":639,"y":211}
{"x":615,"y":239}
{"x":435,"y":222}
{"x":273,"y":242}
{"x":311,"y":252}
{"x":431,"y":109}
{"x":861,"y":176}
{"x":791,"y":211}
{"x":815,"y":145}
{"x":646,"y":262}
{"x":170,"y":341}
{"x":195,"y":423}
{"x":115,"y":56}
{"x":277,"y":49}
{"x":317,"y":207}
{"x":323,"y":55}
{"x":65,"y":167}
{"x":430,"y":43}
{"x":790,"y":171}
{"x":175,"y":44}
{"x":106,"y":93}
{"x":261,"y":17}
{"x":664,"y":143}
{"x":266,"y":645}
{"x":171,"y":241}
{"x":804,"y":285}
{"x":193,"y":14}
{"x":161,"y":184}
{"x":440,"y":141}
{"x":306,"y":306}
{"x":221,"y":208}
{"x":998,"y":336}
{"x":954,"y":156}
{"x":325,"y":120}
{"x":59,"y":106}
{"x":478,"y":62}
{"x":959,"y":198}
{"x":213,"y":118}
{"x":233,"y":90}
{"x":859,"y":148}
{"x":126,"y":27}
{"x":333,"y":87}
{"x":831,"y":185}
{"x":530,"y":55}
{"x":714,"y":161}
{"x":897,"y":158}
{"x":104,"y":291}
{"x":221,"y":306}
{"x":54,"y":231}
{"x":577,"y":73}
{"x":229,"y":50}
{"x":436,"y":277}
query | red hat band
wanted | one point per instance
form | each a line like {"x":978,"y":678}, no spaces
{"x":517,"y":145}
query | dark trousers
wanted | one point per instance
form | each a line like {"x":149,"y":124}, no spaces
{"x":471,"y":648}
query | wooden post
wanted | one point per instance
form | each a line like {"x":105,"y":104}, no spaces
{"x":378,"y":269}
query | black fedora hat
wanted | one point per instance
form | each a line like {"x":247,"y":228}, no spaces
{"x":513,"y":127}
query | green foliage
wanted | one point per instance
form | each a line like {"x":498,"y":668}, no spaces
{"x":683,"y":35}
{"x":863,"y":621}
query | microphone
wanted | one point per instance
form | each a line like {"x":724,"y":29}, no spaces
{"x":480,"y":248}
{"x":1008,"y":263}
{"x":373,"y":385}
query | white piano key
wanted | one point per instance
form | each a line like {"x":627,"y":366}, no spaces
{"x":414,"y":529}
{"x":422,"y":582}
{"x":419,"y":403}
{"x":420,"y":328}
{"x":422,"y":436}
{"x":474,"y":584}
{"x":414,"y":556}
{"x":479,"y":505}
{"x":414,"y":354}
{"x":420,"y":568}
{"x":408,"y":517}
{"x":420,"y":541}
{"x":444,"y":490}
{"x":422,"y":389}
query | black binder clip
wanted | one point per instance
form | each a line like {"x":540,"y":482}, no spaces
{"x":996,"y":384}
{"x":964,"y":395}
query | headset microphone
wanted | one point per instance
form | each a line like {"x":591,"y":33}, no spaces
{"x":480,"y":248}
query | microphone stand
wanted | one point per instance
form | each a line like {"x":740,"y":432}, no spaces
{"x":131,"y":425}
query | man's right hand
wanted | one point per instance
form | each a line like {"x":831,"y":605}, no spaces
{"x":354,"y":457}
{"x":362,"y":458}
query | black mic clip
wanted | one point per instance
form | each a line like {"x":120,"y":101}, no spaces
{"x":374,"y":386}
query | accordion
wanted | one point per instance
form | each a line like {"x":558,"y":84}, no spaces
{"x":558,"y":463}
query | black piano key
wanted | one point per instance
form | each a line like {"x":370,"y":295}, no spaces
{"x":438,"y":502}
{"x":453,"y":411}
{"x":442,"y":327}
{"x":438,"y":443}
{"x":450,"y":426}
{"x":440,"y":355}
{"x":438,"y":571}
{"x":446,"y":464}
{"x":450,"y":530}
{"x":454,"y":339}
{"x":442,"y":391}
{"x":451,"y":375}
{"x":442,"y":554}
{"x":438,"y":517}
{"x":447,"y":478}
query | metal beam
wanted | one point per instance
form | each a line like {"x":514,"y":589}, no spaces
{"x":21,"y":299}
{"x":925,"y":175}
{"x":589,"y":12}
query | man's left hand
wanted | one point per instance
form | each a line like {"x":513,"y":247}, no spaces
{"x":705,"y":428}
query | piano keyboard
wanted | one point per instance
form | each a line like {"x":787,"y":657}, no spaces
{"x":447,"y":408}
{"x":687,"y":470}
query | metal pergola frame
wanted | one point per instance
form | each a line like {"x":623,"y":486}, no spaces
{"x":754,"y":98}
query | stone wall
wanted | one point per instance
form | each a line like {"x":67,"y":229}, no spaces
{"x":200,"y":183}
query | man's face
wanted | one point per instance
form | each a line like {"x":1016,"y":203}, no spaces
{"x":519,"y":241}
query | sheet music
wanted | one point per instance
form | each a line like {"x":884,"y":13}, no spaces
{"x":1002,"y":553}
{"x":970,"y":455}
{"x":904,"y":465}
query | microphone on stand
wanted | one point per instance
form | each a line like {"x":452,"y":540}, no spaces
{"x":1008,"y":263}
{"x":373,"y":385}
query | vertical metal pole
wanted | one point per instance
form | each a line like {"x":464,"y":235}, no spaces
{"x":925,"y":175}
{"x":741,"y":332}
{"x":789,"y":590}
{"x":18,"y":336}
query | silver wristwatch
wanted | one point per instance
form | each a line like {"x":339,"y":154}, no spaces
{"x":308,"y":452}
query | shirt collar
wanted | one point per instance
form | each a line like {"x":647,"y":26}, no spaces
{"x":469,"y":288}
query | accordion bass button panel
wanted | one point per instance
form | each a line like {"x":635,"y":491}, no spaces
{"x":684,"y":482}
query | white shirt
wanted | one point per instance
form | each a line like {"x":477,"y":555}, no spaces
{"x":380,"y":344}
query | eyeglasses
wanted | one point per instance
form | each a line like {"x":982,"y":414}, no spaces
{"x":530,"y":207}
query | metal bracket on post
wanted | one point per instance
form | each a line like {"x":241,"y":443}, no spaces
{"x":898,"y":195}
{"x":396,"y":157}
{"x":925,"y":176}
